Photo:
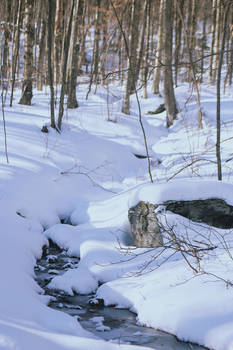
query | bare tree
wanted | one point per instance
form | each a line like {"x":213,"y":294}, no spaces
{"x":147,"y":47}
{"x":225,"y":8}
{"x":217,"y":40}
{"x":58,"y":40}
{"x":16,"y":40}
{"x":178,"y":37}
{"x":131,"y":80}
{"x":66,"y":44}
{"x":96,"y":50}
{"x":74,"y":49}
{"x":50,"y":17}
{"x":42,"y":51}
{"x":169,"y":95}
{"x":157,"y":70}
{"x":192,"y":68}
{"x":26,"y":96}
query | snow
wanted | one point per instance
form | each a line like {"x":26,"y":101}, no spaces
{"x":100,"y":327}
{"x":79,"y":280}
{"x":89,"y":176}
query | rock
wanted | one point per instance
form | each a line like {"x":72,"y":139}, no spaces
{"x":145,"y":226}
{"x":51,"y":259}
{"x":140,"y":156}
{"x":146,"y":229}
{"x":213,"y":211}
{"x":158,"y":110}
{"x":96,"y":302}
{"x":45,"y":129}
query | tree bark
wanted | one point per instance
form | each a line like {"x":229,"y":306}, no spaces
{"x":7,"y":36}
{"x":146,"y":56}
{"x":213,"y":26}
{"x":74,"y":49}
{"x":132,"y":58}
{"x":41,"y":59}
{"x":26,"y":97}
{"x":203,"y":44}
{"x":218,"y":106}
{"x":217,"y":41}
{"x":192,"y":68}
{"x":64,"y":66}
{"x":169,"y":95}
{"x":142,"y":40}
{"x":178,"y":36}
{"x":96,"y":52}
{"x":50,"y":66}
{"x":157,"y":70}
{"x":231,"y":57}
{"x":57,"y":40}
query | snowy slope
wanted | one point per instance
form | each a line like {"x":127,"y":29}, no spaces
{"x":89,"y":173}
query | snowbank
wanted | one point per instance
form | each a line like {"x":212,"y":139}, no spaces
{"x":74,"y":175}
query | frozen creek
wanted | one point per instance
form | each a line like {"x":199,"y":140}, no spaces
{"x":109,"y":323}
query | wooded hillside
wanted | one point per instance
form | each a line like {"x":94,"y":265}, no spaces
{"x":51,"y":42}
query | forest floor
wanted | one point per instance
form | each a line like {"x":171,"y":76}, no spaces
{"x":88,"y":176}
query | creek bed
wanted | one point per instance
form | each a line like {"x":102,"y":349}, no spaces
{"x":109,"y":323}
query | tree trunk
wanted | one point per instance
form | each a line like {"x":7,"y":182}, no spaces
{"x":203,"y":44}
{"x":105,"y":42}
{"x":74,"y":49}
{"x":178,"y":36}
{"x":132,"y":58}
{"x":217,"y":41}
{"x":142,"y":40}
{"x":157,"y":70}
{"x":26,"y":97}
{"x":96,"y":52}
{"x":41,"y":59}
{"x":213,"y":26}
{"x":192,"y":68}
{"x":169,"y":95}
{"x":231,"y":57}
{"x":82,"y":34}
{"x":66,"y":44}
{"x":7,"y":36}
{"x":57,"y":40}
{"x":50,"y":66}
{"x":218,"y":107}
{"x":192,"y":38}
{"x":146,"y":56}
{"x":16,"y":49}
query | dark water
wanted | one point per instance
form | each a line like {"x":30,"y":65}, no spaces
{"x":109,"y":323}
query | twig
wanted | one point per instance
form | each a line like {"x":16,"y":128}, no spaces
{"x":68,"y":172}
{"x":136,"y":93}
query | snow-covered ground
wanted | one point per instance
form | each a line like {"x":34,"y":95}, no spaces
{"x":89,"y":174}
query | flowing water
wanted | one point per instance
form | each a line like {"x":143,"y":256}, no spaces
{"x":109,"y":323}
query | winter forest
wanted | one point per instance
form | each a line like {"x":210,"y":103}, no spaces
{"x":116,"y":174}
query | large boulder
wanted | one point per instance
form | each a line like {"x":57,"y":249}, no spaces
{"x":213,"y":211}
{"x":145,"y":225}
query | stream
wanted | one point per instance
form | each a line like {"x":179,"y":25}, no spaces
{"x":109,"y":323}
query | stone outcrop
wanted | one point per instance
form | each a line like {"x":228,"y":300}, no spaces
{"x":145,"y":225}
{"x":158,"y":110}
{"x":213,"y":211}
